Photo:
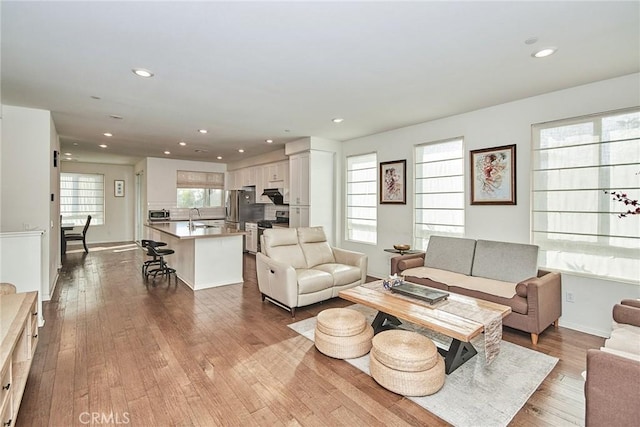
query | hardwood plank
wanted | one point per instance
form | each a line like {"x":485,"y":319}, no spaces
{"x":166,"y":355}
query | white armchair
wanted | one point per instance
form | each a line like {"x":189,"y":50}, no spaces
{"x":298,"y":267}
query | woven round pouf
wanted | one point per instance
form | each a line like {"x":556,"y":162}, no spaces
{"x":343,"y":333}
{"x":7,"y":288}
{"x":406,"y":363}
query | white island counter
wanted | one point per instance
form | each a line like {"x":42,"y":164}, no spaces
{"x":205,"y":256}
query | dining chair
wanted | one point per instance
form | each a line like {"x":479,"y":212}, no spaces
{"x":78,"y":236}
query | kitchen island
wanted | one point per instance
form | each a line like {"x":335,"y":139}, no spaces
{"x":205,"y":256}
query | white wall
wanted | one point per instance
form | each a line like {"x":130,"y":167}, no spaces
{"x":501,"y":125}
{"x":28,"y":179}
{"x":161,"y":178}
{"x":119,"y":211}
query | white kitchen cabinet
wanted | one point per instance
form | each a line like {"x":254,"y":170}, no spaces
{"x":251,"y":239}
{"x":312,"y":185}
{"x":233,"y":180}
{"x":299,"y":216}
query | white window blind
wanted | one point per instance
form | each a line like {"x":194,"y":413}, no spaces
{"x":439,"y":190}
{"x":199,"y":189}
{"x":362,"y":196}
{"x":574,"y":221}
{"x":81,"y":194}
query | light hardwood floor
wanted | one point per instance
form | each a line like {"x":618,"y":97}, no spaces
{"x":121,"y":351}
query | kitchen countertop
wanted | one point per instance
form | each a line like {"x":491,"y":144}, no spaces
{"x":181,"y":230}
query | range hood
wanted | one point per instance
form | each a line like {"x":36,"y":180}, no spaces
{"x":274,"y":195}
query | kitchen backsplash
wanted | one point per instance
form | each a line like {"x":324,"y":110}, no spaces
{"x":270,"y":210}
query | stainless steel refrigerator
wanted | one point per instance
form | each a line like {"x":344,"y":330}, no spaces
{"x":241,"y":207}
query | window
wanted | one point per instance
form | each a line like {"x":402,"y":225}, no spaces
{"x":81,"y":194}
{"x":574,"y":221}
{"x":439,"y":190}
{"x":200,"y":189}
{"x":362,"y":198}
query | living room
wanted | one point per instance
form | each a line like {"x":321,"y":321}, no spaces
{"x":587,"y":298}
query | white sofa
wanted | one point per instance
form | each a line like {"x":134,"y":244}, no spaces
{"x":298,"y":267}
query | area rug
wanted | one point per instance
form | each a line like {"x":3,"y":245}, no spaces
{"x":474,"y":394}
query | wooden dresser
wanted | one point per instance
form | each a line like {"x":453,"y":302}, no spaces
{"x":18,"y":338}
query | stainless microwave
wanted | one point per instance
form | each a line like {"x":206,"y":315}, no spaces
{"x":159,"y":215}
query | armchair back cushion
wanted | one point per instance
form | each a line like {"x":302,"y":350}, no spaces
{"x":315,"y":247}
{"x":509,"y":262}
{"x":282,"y":245}
{"x":450,"y":253}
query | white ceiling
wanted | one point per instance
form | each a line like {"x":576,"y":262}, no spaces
{"x":249,"y":71}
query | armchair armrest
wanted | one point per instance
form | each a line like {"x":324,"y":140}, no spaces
{"x":277,"y":280}
{"x":626,"y":314}
{"x":631,"y":302}
{"x":544,"y":299}
{"x":352,"y":258}
{"x":611,"y":390}
{"x":404,"y":262}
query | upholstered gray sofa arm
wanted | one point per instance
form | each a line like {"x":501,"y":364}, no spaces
{"x":355,"y":259}
{"x":544,"y":296}
{"x":611,"y":390}
{"x":404,"y":262}
{"x":277,"y":280}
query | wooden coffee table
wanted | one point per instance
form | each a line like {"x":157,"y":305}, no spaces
{"x":394,"y":308}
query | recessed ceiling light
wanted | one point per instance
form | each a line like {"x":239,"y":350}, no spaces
{"x":107,"y":134}
{"x":68,"y":158}
{"x":95,"y":97}
{"x":531,"y":40}
{"x":241,"y":150}
{"x":542,"y":53}
{"x":102,"y":145}
{"x":182,"y":143}
{"x":219,"y":157}
{"x":269,"y":141}
{"x":115,"y":116}
{"x":203,"y":130}
{"x":141,"y":72}
{"x":337,"y":120}
{"x":67,"y":154}
{"x":200,"y":150}
{"x":167,"y":152}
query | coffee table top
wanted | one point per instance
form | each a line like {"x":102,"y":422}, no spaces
{"x":443,"y":317}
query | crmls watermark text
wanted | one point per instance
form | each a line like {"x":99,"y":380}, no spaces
{"x":104,"y":418}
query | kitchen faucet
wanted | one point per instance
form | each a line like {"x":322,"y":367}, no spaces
{"x":190,"y":218}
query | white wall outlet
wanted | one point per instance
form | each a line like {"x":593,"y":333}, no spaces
{"x":570,"y":297}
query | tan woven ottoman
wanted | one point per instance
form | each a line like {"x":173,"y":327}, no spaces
{"x":343,"y":333}
{"x":406,"y":363}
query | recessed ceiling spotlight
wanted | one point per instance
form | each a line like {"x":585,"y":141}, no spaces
{"x":102,"y":145}
{"x":203,"y":130}
{"x":241,"y":150}
{"x":107,"y":134}
{"x":67,"y":154}
{"x":182,"y":143}
{"x":219,"y":157}
{"x":68,"y":158}
{"x":337,"y":120}
{"x":115,"y":116}
{"x":167,"y":152}
{"x":200,"y":150}
{"x":269,"y":141}
{"x":141,"y":72}
{"x":75,"y":143}
{"x":531,"y":40}
{"x":95,"y":97}
{"x":542,"y":53}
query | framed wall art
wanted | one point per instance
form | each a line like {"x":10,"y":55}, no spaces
{"x":393,"y":177}
{"x":118,"y":188}
{"x":493,"y":176}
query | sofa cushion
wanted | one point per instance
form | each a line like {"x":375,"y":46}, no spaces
{"x":281,"y":244}
{"x":311,"y":280}
{"x":450,"y":253}
{"x":517,"y":303}
{"x":342,"y":274}
{"x":509,"y":262}
{"x":315,"y":247}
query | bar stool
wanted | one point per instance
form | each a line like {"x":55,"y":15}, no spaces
{"x":162,"y":268}
{"x":154,"y":261}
